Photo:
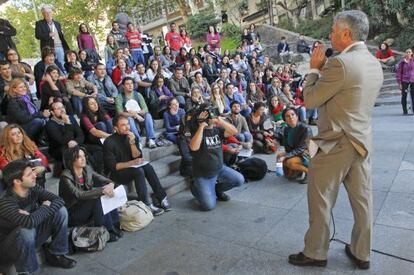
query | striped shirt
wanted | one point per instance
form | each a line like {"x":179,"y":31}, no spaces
{"x":11,"y":203}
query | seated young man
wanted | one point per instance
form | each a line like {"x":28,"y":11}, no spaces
{"x":29,"y":215}
{"x":122,"y":154}
{"x":211,"y":177}
{"x":237,"y":120}
{"x":138,"y":113}
{"x":295,"y":140}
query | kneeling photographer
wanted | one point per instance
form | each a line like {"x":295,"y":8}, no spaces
{"x":211,"y":177}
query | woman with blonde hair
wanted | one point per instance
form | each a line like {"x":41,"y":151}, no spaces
{"x":15,"y":144}
{"x":21,"y":110}
{"x":218,"y":98}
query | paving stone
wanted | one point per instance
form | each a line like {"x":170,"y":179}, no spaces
{"x":403,"y":182}
{"x":397,"y":211}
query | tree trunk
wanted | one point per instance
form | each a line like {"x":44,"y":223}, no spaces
{"x":313,"y":10}
{"x":193,"y":7}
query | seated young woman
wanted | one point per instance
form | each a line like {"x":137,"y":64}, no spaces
{"x":95,"y":122}
{"x":295,"y":139}
{"x":276,"y":107}
{"x":262,"y":138}
{"x":54,"y":90}
{"x":21,"y":110}
{"x":162,"y":92}
{"x":172,"y":119}
{"x":81,"y":188}
{"x":15,"y":144}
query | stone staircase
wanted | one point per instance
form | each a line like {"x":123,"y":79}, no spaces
{"x":166,"y":163}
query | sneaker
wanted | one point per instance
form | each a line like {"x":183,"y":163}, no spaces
{"x":302,"y":178}
{"x":155,"y":210}
{"x":165,"y":205}
{"x":222,"y":196}
{"x":151,"y":144}
{"x":246,"y":145}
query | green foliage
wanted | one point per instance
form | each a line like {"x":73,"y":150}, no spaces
{"x":319,"y":29}
{"x":231,"y":31}
{"x":229,"y":44}
{"x":93,"y":13}
{"x":197,"y":25}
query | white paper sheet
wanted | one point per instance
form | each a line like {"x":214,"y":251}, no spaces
{"x":119,"y":199}
{"x":139,"y":165}
{"x":246,"y":153}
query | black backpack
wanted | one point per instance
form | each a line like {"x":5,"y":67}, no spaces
{"x":253,"y":168}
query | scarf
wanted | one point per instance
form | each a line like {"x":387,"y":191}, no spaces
{"x":277,"y":110}
{"x":30,"y":106}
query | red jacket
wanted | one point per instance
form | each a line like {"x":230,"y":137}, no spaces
{"x":37,"y":155}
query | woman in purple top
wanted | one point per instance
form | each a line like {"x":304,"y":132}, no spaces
{"x":85,"y":40}
{"x":162,"y":92}
{"x":172,"y":119}
{"x":213,"y":38}
{"x":405,"y":78}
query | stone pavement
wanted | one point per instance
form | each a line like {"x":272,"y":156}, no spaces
{"x":265,"y":222}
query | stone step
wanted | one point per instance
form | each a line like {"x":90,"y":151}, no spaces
{"x":158,"y":124}
{"x":390,"y":81}
{"x":159,"y":152}
{"x":175,"y":183}
{"x":389,"y":87}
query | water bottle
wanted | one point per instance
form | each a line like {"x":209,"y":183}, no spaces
{"x":279,"y":168}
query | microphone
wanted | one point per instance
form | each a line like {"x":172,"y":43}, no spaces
{"x":329,"y":52}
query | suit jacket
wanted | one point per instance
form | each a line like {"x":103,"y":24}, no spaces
{"x":7,"y":31}
{"x":345,"y":94}
{"x":42,"y":33}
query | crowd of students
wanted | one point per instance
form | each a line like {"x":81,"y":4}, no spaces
{"x":87,"y":109}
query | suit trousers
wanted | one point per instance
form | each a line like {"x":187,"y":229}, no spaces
{"x":327,"y":171}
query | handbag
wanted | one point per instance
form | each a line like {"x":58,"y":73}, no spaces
{"x":89,"y":239}
{"x":134,"y":215}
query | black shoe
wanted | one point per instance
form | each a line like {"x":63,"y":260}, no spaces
{"x":221,"y":196}
{"x":301,"y":260}
{"x":118,"y":232}
{"x":165,"y":205}
{"x":113,"y":237}
{"x":359,"y":263}
{"x":59,"y":260}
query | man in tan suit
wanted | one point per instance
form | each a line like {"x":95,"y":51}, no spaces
{"x":344,"y":89}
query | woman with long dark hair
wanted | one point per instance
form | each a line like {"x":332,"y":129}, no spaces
{"x":81,"y":188}
{"x":262,"y":138}
{"x":95,"y":122}
{"x":213,"y":38}
{"x":51,"y":94}
{"x":405,"y":79}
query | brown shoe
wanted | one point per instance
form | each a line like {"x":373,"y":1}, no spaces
{"x":301,"y":260}
{"x":359,"y":263}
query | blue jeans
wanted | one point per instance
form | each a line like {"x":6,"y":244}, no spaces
{"x":60,"y":55}
{"x":137,"y":56}
{"x":172,"y":137}
{"x":105,"y":126}
{"x":312,"y":113}
{"x":77,"y":104}
{"x":34,"y":127}
{"x":149,"y":126}
{"x":204,"y":189}
{"x":24,"y":241}
{"x":134,"y":127}
{"x":244,"y":137}
{"x":302,"y":113}
{"x":246,"y":112}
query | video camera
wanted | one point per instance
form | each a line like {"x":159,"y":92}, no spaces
{"x":191,"y":120}
{"x":212,"y":112}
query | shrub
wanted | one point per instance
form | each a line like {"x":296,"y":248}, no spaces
{"x":197,"y":25}
{"x":231,"y":31}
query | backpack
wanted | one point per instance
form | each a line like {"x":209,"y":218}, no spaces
{"x":89,"y":239}
{"x":253,"y":168}
{"x":134,"y":216}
